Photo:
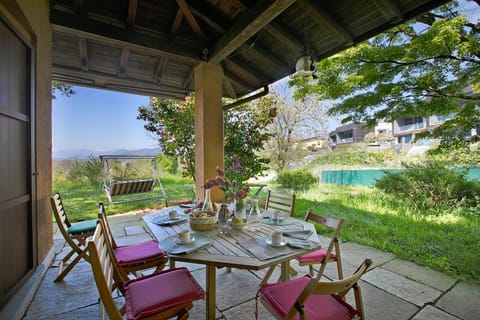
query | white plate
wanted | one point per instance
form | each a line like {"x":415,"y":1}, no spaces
{"x":281,"y":244}
{"x":178,"y":241}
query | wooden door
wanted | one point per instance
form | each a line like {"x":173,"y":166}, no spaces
{"x":17,"y":230}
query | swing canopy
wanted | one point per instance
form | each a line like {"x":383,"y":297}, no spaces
{"x":124,"y":177}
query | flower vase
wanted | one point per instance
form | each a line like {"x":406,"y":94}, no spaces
{"x":240,"y":209}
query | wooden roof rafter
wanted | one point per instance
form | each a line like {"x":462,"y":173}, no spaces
{"x":132,"y":13}
{"x":251,"y":22}
{"x":187,"y":13}
{"x":325,"y":19}
{"x":83,"y":51}
{"x":390,"y":10}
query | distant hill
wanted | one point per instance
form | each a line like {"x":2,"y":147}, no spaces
{"x":84,"y":154}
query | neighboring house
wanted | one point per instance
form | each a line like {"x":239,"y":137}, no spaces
{"x":355,"y":132}
{"x":405,"y":129}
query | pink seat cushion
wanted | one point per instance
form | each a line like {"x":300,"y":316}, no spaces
{"x":282,"y":296}
{"x":138,"y":253}
{"x":157,"y":292}
{"x":315,"y":256}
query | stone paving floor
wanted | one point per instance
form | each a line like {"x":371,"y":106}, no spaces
{"x":392,"y":289}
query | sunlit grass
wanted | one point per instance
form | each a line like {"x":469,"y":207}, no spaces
{"x":443,"y":242}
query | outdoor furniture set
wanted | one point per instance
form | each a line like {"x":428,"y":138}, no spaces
{"x":273,"y":243}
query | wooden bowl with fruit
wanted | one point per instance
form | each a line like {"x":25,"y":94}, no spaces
{"x":202,"y":220}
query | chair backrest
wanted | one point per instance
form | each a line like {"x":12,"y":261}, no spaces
{"x":105,"y":269}
{"x":102,"y":215}
{"x":285,"y":203}
{"x":59,"y":213}
{"x":339,"y":288}
{"x":335,"y":225}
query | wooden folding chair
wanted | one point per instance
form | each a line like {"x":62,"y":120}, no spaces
{"x":161,"y":295}
{"x":308,"y":298}
{"x":285,"y":203}
{"x":75,"y":235}
{"x":276,"y":201}
{"x":136,"y":257}
{"x":324,"y":256}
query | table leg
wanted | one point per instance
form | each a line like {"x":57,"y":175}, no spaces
{"x":211,"y":291}
{"x":285,"y":271}
{"x":171,"y":263}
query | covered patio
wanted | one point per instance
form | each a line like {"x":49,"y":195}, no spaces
{"x":392,"y":289}
{"x":226,"y":48}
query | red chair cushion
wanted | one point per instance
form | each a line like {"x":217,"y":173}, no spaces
{"x":282,"y":296}
{"x":138,"y":253}
{"x":157,"y":292}
{"x":315,"y":256}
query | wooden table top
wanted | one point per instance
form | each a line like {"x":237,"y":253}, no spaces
{"x":225,"y":250}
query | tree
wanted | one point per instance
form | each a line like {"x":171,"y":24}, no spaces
{"x":295,"y":120}
{"x":427,"y":66}
{"x":174,"y":124}
{"x":63,"y":88}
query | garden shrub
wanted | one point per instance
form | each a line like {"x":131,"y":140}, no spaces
{"x":432,"y":187}
{"x":296,"y":179}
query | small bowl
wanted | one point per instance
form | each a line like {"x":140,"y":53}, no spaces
{"x":202,"y":220}
{"x":237,"y":226}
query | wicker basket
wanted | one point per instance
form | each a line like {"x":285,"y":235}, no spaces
{"x":203,"y":221}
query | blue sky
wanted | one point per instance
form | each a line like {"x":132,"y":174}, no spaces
{"x":99,"y":120}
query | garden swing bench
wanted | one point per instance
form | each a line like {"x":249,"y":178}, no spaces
{"x":122,"y":178}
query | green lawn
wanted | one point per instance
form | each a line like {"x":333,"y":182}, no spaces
{"x":446,"y":242}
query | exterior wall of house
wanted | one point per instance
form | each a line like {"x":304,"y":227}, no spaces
{"x":350,"y":133}
{"x":37,"y":13}
{"x":30,"y":20}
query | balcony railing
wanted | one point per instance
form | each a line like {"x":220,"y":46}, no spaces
{"x":410,"y":127}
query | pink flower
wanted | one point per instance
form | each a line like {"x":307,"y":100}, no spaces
{"x":188,"y":99}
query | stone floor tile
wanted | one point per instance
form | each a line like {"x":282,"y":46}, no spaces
{"x":246,"y":311}
{"x":133,"y":230}
{"x":407,"y":289}
{"x":429,"y":277}
{"x":430,"y":312}
{"x":77,"y":290}
{"x":463,"y":300}
{"x":381,"y":305}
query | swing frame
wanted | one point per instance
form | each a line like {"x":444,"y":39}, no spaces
{"x":120,"y":188}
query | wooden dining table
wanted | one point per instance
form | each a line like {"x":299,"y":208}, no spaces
{"x":242,"y":249}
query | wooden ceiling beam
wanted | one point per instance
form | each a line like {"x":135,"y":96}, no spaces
{"x":230,"y":76}
{"x":103,"y":32}
{"x":227,"y":84}
{"x":104,"y":80}
{"x":82,"y":46}
{"x":177,"y":22}
{"x":251,"y":21}
{"x":124,"y":62}
{"x":255,"y":49}
{"x":284,"y":36}
{"x":80,"y":8}
{"x":253,"y":73}
{"x":132,"y":13}
{"x":160,"y":69}
{"x":192,"y":21}
{"x":390,"y":10}
{"x":188,"y":79}
{"x":323,"y":18}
